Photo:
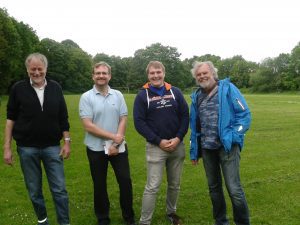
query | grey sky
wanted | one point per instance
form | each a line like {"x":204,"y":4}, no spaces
{"x":255,"y":29}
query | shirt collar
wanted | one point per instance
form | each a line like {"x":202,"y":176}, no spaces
{"x":40,"y":88}
{"x":109,"y":92}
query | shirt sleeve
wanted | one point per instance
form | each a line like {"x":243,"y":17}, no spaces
{"x":123,"y":106}
{"x":85,"y":108}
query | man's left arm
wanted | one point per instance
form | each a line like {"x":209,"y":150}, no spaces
{"x":65,"y":126}
{"x":184,"y":120}
{"x":114,"y":148}
{"x":241,"y":110}
{"x":183,"y":116}
{"x":122,"y":125}
{"x":66,"y":148}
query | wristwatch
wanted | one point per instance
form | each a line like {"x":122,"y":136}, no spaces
{"x":116,"y":145}
{"x":67,"y":139}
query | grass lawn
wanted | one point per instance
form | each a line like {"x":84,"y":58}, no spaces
{"x":270,"y":172}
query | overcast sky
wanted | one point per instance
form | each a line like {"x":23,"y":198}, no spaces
{"x":255,"y":29}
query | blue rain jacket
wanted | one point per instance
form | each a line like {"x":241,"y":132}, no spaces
{"x":234,"y":118}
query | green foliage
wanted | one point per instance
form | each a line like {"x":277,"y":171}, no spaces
{"x":71,"y":66}
{"x":238,"y":69}
{"x":119,"y":67}
{"x":157,"y":52}
{"x":10,"y":51}
{"x":281,"y":73}
{"x":68,"y":64}
{"x":270,"y":166}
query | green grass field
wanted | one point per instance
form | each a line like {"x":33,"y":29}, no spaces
{"x":270,"y":172}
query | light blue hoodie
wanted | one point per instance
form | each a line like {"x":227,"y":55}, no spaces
{"x":234,"y":118}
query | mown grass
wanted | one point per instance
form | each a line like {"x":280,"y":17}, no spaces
{"x":270,"y":172}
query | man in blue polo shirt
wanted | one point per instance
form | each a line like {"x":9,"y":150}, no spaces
{"x":103,"y":112}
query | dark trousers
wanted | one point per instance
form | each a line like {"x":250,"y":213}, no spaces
{"x":98,"y":166}
{"x":215,"y":162}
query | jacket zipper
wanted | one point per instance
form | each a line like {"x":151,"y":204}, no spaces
{"x":242,"y":106}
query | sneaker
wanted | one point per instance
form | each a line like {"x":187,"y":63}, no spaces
{"x":43,"y":222}
{"x":174,"y":219}
{"x":130,"y":221}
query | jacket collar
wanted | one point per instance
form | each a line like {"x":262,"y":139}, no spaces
{"x":167,"y":86}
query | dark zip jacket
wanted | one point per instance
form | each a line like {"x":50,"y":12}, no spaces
{"x":37,"y":126}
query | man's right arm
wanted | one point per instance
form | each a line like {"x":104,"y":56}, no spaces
{"x":140,"y":118}
{"x":7,"y":153}
{"x":90,"y":127}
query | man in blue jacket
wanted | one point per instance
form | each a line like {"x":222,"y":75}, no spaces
{"x":219,"y":119}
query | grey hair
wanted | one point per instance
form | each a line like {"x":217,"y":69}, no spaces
{"x":197,"y":65}
{"x":102,"y":63}
{"x":38,"y":56}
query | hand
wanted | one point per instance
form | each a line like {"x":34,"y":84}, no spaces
{"x":7,"y":156}
{"x":165,"y":145}
{"x":194,"y":162}
{"x":174,"y":143}
{"x":169,"y":145}
{"x":118,"y":138}
{"x":65,"y":151}
{"x":113,"y":151}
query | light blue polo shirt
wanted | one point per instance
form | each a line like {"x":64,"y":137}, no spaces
{"x":104,"y":111}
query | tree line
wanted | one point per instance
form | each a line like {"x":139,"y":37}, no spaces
{"x":71,"y":66}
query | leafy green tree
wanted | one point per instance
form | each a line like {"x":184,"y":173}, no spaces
{"x":238,"y":69}
{"x":68,"y":64}
{"x":29,"y":39}
{"x":265,"y":79}
{"x":294,"y":68}
{"x":78,"y":73}
{"x":208,"y":57}
{"x":56,"y":54}
{"x":119,"y":67}
{"x":10,"y":52}
{"x":175,"y":71}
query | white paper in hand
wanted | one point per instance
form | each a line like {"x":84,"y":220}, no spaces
{"x":108,"y":143}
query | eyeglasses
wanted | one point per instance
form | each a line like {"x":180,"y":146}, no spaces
{"x":155,"y":72}
{"x":99,"y":73}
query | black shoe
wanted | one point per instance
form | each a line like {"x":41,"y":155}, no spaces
{"x":103,"y":222}
{"x":131,"y":222}
{"x":174,"y":219}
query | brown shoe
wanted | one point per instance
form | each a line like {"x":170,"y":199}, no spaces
{"x":174,"y":219}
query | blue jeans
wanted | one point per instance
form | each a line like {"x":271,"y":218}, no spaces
{"x":229,"y":162}
{"x":31,"y":159}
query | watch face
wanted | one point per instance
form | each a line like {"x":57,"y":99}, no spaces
{"x":116,"y":145}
